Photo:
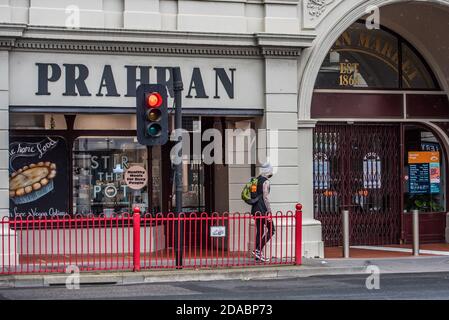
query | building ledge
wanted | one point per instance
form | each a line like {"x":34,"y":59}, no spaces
{"x":20,"y":36}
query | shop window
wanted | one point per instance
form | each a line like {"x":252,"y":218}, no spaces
{"x":105,"y":122}
{"x":372,"y":174}
{"x":100,"y":168}
{"x":193,"y":187}
{"x":27,"y":121}
{"x":416,"y":74}
{"x":425,"y":171}
{"x":321,"y":171}
{"x":156,"y":183}
{"x":373,"y":59}
{"x":325,"y":161}
{"x":193,"y":170}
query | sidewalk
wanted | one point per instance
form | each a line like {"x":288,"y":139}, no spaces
{"x":388,"y":251}
{"x":311,"y":267}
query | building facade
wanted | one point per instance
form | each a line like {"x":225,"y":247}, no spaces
{"x":352,"y":116}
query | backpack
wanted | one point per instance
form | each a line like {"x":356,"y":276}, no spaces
{"x":248,"y":190}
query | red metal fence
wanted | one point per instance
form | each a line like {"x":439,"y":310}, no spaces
{"x":136,"y":242}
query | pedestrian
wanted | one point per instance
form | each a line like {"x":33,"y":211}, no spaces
{"x":261,"y":210}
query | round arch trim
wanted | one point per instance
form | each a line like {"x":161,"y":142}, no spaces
{"x":323,"y":43}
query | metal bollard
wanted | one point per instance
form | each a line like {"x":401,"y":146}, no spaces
{"x":345,"y":218}
{"x":298,"y":234}
{"x":415,"y":232}
{"x":136,"y":239}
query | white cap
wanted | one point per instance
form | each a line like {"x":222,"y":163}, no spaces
{"x":266,"y":169}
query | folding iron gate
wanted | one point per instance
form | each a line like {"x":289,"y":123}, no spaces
{"x":357,"y":167}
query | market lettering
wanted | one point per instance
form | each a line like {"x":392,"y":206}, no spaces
{"x":383,"y":49}
{"x":75,"y":78}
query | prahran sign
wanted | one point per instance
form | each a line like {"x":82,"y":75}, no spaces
{"x":80,"y":80}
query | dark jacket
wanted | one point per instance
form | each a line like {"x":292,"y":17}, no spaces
{"x":259,"y":205}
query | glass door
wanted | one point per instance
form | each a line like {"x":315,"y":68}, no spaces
{"x":424,"y":183}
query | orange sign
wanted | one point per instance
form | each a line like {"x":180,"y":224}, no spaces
{"x":423,"y":157}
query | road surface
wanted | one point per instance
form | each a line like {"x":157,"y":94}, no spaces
{"x":391,"y":286}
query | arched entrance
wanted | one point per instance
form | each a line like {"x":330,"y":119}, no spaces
{"x":396,"y":14}
{"x":373,"y":153}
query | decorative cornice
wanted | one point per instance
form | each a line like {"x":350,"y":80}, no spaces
{"x":307,"y":124}
{"x":317,"y":7}
{"x":7,"y":43}
{"x":278,"y":52}
{"x":303,"y":40}
{"x":134,"y":48}
{"x":153,"y":42}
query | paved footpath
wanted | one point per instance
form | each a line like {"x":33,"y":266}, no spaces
{"x":311,"y":267}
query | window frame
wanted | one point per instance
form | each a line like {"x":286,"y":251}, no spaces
{"x":70,"y":135}
{"x":400,"y":42}
{"x":444,"y":157}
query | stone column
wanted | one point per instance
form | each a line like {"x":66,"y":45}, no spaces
{"x":277,"y":143}
{"x":313,"y":245}
{"x":239,"y":173}
{"x":7,"y":237}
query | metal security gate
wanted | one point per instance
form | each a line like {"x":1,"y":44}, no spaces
{"x":357,"y":167}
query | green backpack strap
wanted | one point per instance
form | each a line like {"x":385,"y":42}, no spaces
{"x":248,"y":190}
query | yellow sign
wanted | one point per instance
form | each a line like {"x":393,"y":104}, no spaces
{"x":349,"y":74}
{"x":423,"y":157}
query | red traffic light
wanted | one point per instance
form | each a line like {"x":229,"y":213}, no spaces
{"x":153,"y":100}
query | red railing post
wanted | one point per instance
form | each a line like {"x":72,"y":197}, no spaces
{"x":136,"y":239}
{"x":298,"y":233}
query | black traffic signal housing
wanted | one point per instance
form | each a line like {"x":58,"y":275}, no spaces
{"x":152,"y":114}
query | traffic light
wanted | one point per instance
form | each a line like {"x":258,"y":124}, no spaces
{"x":152,"y":117}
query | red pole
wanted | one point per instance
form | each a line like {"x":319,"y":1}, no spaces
{"x":136,"y":239}
{"x":298,"y":242}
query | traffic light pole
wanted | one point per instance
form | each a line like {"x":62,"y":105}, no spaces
{"x":179,"y":243}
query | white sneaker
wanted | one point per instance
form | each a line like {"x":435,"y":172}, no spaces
{"x":263,"y":258}
{"x":259,"y":256}
{"x":256,"y":254}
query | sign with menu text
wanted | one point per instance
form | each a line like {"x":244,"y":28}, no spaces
{"x":38,"y":176}
{"x":424,"y":172}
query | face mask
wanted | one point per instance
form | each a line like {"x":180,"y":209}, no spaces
{"x":269,"y":176}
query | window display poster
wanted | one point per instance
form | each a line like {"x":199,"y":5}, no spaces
{"x":424,"y":172}
{"x":136,"y":177}
{"x":321,"y":171}
{"x":38,"y":177}
{"x":419,"y":178}
{"x":430,"y":146}
{"x":435,"y":177}
{"x":372,"y":171}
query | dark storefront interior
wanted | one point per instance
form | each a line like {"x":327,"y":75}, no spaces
{"x":94,"y":183}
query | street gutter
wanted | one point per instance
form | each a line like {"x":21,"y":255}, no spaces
{"x":311,"y":267}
